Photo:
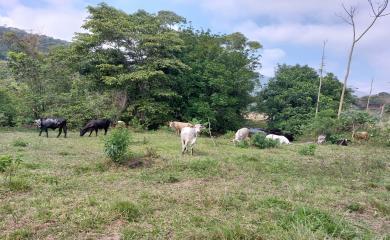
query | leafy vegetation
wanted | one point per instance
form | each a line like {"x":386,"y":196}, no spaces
{"x":259,"y":140}
{"x":116,"y":145}
{"x":290,"y":97}
{"x":308,"y":150}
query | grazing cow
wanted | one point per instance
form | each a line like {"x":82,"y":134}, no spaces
{"x":361,"y":136}
{"x":178,"y":126}
{"x":45,"y":123}
{"x":342,"y":142}
{"x":276,"y":131}
{"x":188,"y":137}
{"x":95,"y":125}
{"x":281,"y":139}
{"x":240,"y":135}
{"x":121,"y":124}
{"x":321,"y":139}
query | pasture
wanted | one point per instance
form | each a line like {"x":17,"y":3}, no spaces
{"x":68,"y":189}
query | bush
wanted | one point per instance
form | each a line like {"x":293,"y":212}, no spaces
{"x":242,"y":144}
{"x":127,"y":210}
{"x":259,"y":140}
{"x":116,"y":144}
{"x":19,"y":143}
{"x":229,"y":135}
{"x":9,"y":165}
{"x":308,"y":150}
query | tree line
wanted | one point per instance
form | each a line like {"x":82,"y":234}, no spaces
{"x":147,"y":69}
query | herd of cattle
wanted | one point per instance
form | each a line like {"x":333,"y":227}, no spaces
{"x":187,"y":131}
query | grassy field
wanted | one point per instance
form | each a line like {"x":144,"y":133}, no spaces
{"x":67,"y":189}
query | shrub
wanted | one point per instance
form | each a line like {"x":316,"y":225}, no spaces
{"x":127,"y":210}
{"x":116,"y":144}
{"x":229,"y":135}
{"x":9,"y":165}
{"x":242,"y":144}
{"x":308,"y":150}
{"x":259,"y":140}
{"x":19,"y":143}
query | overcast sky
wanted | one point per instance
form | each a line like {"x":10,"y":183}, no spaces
{"x":291,"y":31}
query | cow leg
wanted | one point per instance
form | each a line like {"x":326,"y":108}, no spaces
{"x":90,"y":132}
{"x":59,"y":131}
{"x":65,"y":130}
{"x":105,"y":131}
{"x":96,"y":131}
{"x":40,"y":132}
{"x":183,"y":147}
{"x":47,"y":133}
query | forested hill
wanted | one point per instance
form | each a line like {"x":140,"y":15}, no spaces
{"x":375,"y":100}
{"x":45,"y":42}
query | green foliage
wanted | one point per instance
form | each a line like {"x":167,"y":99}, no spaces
{"x":325,"y":123}
{"x":115,"y":146}
{"x":308,"y":150}
{"x":242,"y":144}
{"x":353,"y":120}
{"x":259,"y":140}
{"x":320,"y":221}
{"x":290,"y":97}
{"x":20,"y":143}
{"x":355,"y":207}
{"x":229,"y":135}
{"x":127,"y":210}
{"x":9,"y":166}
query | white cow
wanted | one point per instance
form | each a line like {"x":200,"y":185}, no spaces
{"x":281,"y":139}
{"x":321,"y":139}
{"x":241,"y":134}
{"x":188,"y":137}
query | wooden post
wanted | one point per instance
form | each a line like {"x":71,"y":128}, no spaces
{"x":321,"y":75}
{"x":369,"y":96}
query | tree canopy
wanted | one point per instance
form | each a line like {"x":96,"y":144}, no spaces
{"x":290,"y":97}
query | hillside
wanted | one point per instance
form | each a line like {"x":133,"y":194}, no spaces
{"x":45,"y":42}
{"x":376,"y":101}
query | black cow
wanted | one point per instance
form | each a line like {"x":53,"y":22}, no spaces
{"x":253,"y":131}
{"x":52,"y":123}
{"x":96,"y":125}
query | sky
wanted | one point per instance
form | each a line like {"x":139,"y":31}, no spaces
{"x":291,"y":31}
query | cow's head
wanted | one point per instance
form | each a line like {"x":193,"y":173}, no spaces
{"x":83,"y":131}
{"x":37,"y":122}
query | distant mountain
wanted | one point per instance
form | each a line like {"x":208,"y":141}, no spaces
{"x":376,"y":101}
{"x":45,"y":42}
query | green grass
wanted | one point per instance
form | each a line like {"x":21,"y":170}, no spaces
{"x":68,"y":189}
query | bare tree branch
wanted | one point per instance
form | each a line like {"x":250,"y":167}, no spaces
{"x":381,"y":7}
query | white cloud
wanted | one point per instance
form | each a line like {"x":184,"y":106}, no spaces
{"x":57,"y":19}
{"x":270,"y":57}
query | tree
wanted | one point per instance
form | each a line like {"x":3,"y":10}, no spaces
{"x":222,"y":75}
{"x":132,"y":55}
{"x":350,"y":19}
{"x":290,"y":97}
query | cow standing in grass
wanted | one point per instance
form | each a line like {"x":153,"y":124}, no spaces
{"x":241,"y":134}
{"x":178,"y":126}
{"x":45,"y":123}
{"x":95,"y":125}
{"x":188,"y":137}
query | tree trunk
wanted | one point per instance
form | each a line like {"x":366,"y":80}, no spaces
{"x":346,"y":79}
{"x":321,"y":72}
{"x":369,"y":96}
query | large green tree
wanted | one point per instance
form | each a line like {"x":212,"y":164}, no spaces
{"x":221,"y":78}
{"x":132,"y":55}
{"x":290,"y":97}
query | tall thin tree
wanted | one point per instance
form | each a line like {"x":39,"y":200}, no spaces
{"x":321,"y":76}
{"x":369,"y":95}
{"x":378,"y":11}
